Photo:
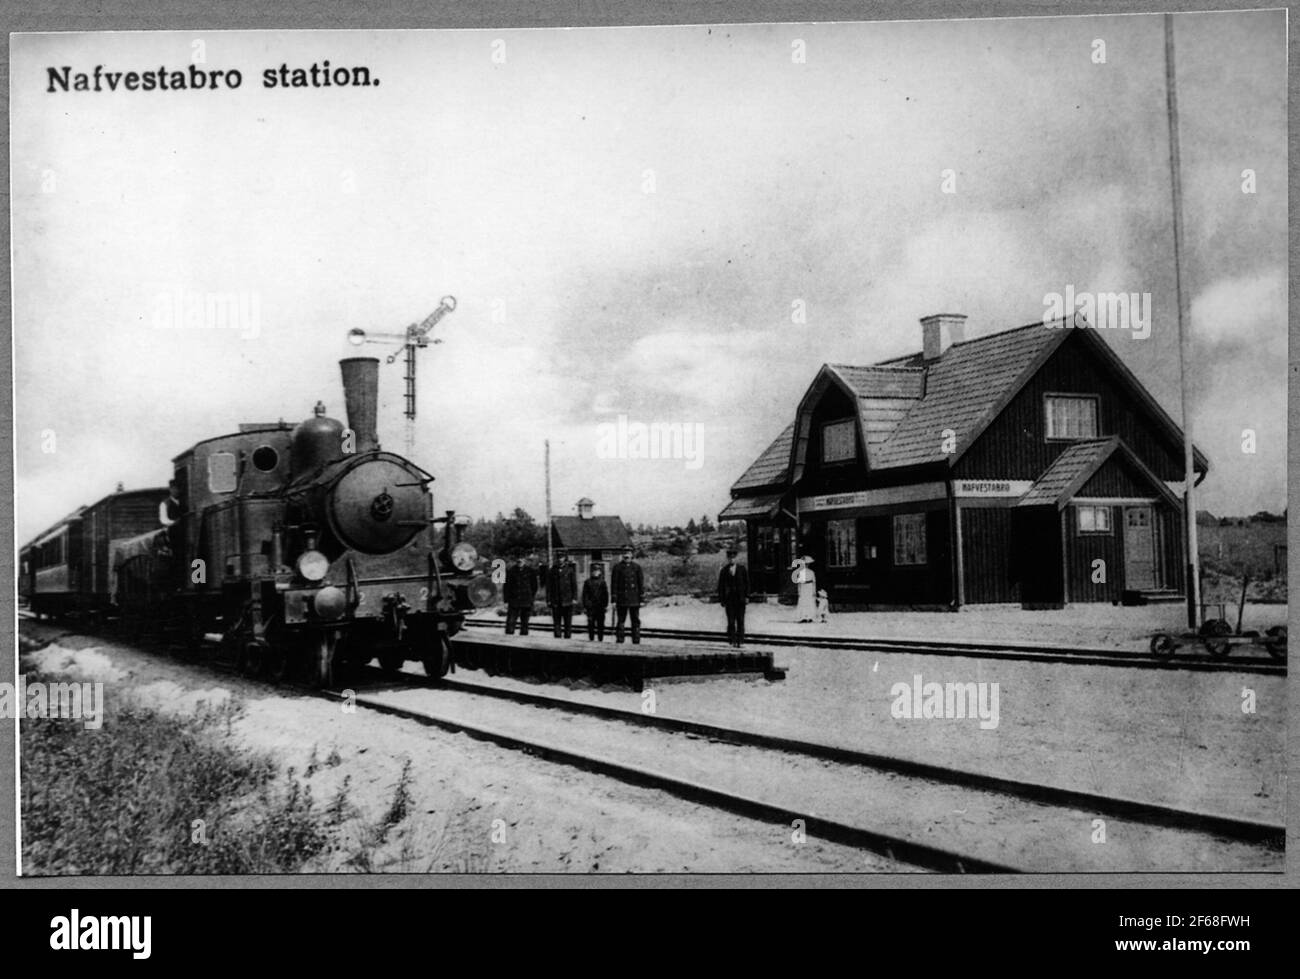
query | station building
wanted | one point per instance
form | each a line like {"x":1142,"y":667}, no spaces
{"x":1028,"y":466}
{"x":589,"y":539}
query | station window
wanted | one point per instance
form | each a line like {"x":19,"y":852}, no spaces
{"x":839,"y":441}
{"x":1094,"y":519}
{"x":841,"y":543}
{"x":222,"y":473}
{"x":1071,"y":417}
{"x":909,"y":538}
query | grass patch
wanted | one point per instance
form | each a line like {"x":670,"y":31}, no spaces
{"x":153,"y":794}
{"x":667,"y":575}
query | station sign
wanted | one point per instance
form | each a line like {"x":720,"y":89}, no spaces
{"x":915,"y":493}
{"x":1008,"y":488}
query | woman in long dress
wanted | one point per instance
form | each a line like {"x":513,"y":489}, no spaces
{"x":806,"y":610}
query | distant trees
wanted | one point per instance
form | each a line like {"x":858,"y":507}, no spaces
{"x":505,"y":536}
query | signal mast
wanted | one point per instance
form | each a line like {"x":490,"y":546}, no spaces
{"x":415,"y":338}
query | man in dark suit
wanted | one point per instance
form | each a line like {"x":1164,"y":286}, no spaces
{"x":562,"y":593}
{"x":627,"y":588}
{"x":733,"y":595}
{"x":520,"y":592}
{"x":595,"y":599}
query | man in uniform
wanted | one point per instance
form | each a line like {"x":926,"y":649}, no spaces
{"x":595,"y":599}
{"x":733,"y":594}
{"x":520,"y":591}
{"x":561,"y":593}
{"x":627,"y":587}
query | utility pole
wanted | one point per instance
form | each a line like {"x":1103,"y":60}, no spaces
{"x":549,"y":556}
{"x":1184,"y":341}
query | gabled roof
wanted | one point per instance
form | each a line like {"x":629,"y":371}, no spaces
{"x":964,"y":391}
{"x":1078,"y":464}
{"x":906,"y":404}
{"x":885,"y":396}
{"x":590,"y":533}
{"x":771,"y":468}
{"x":973,"y":381}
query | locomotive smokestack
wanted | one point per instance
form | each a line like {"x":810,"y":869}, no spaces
{"x":361,"y":391}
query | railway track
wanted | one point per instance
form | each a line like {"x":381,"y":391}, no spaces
{"x":1004,"y":651}
{"x":919,"y":855}
{"x":1029,"y":804}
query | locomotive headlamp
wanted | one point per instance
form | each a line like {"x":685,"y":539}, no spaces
{"x":313,"y":565}
{"x":356,"y":337}
{"x":464,"y":556}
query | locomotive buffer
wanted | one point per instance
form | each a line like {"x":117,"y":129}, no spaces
{"x":415,"y":337}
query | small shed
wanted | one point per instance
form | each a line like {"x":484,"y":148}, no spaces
{"x":590,"y":539}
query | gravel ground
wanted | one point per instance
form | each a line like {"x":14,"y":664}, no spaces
{"x":1175,"y":737}
{"x":979,"y":824}
{"x":475,"y":807}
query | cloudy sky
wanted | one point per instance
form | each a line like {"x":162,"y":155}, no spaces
{"x":628,"y":219}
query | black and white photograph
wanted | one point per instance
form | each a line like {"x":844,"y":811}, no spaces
{"x":838,"y":448}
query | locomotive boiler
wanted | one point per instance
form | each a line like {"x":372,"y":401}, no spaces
{"x":309,"y":548}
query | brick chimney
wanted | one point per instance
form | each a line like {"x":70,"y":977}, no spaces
{"x":939,"y":332}
{"x":585,"y":507}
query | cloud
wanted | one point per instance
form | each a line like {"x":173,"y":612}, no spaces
{"x":1248,"y":311}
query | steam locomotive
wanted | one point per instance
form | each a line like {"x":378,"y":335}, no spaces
{"x":308,"y":549}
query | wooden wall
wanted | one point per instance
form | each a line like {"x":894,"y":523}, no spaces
{"x":1015,"y":445}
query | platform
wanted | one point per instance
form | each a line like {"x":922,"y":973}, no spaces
{"x":545,"y":657}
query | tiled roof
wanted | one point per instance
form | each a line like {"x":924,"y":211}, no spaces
{"x":772,"y":467}
{"x":590,"y":533}
{"x":1078,"y":463}
{"x":750,"y":506}
{"x":1073,"y":465}
{"x":877,"y":381}
{"x":885,"y":396}
{"x":963,"y":389}
{"x":906,"y":404}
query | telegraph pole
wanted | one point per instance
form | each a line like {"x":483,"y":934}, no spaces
{"x":549,"y":557}
{"x":1184,"y":341}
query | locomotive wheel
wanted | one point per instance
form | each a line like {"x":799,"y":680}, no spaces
{"x":1163,"y":644}
{"x":277,"y":663}
{"x":324,"y":651}
{"x":392,"y":660}
{"x":438,"y":660}
{"x":253,"y":658}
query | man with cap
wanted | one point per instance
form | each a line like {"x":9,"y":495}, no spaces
{"x":561,"y":593}
{"x":595,"y":599}
{"x":733,"y":594}
{"x":520,"y":591}
{"x":627,"y":589}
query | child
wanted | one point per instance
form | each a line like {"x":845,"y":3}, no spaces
{"x":823,"y":605}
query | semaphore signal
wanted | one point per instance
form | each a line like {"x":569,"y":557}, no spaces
{"x":415,"y":337}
